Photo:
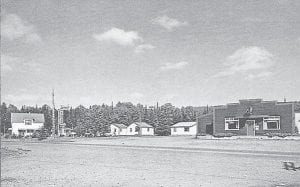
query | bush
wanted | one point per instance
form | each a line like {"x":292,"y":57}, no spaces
{"x":20,"y":136}
{"x":222,"y":135}
{"x":162,"y":131}
{"x":201,"y":134}
{"x":7,"y":136}
{"x":274,"y":134}
{"x":35,"y":134}
{"x":14,"y":136}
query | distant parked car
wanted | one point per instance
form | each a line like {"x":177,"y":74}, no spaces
{"x":88,"y":134}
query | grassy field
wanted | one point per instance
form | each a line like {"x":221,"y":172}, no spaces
{"x":149,"y":161}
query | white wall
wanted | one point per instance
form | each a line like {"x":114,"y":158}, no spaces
{"x":143,"y":130}
{"x":114,"y":130}
{"x":16,"y":126}
{"x":180,"y":131}
{"x":132,"y":126}
{"x":297,"y":121}
{"x":118,"y":130}
{"x":146,"y":132}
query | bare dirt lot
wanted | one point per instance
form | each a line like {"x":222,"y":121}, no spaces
{"x":149,"y":161}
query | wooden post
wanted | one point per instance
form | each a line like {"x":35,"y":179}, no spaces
{"x":197,"y":126}
{"x":53,"y":114}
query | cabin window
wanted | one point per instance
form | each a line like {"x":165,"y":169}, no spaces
{"x":148,"y":129}
{"x":29,"y":131}
{"x":120,"y":130}
{"x":231,"y":124}
{"x":28,"y":122}
{"x":271,"y":123}
{"x":174,"y":129}
{"x":186,"y":129}
{"x":130,"y":129}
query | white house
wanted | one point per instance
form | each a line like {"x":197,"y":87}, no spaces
{"x":118,"y":129}
{"x":184,"y":128}
{"x":140,"y":128}
{"x":26,"y":123}
{"x":297,"y":121}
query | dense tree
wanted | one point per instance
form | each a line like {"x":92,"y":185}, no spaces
{"x":97,"y":118}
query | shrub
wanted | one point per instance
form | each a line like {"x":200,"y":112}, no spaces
{"x":201,"y":134}
{"x":274,"y":134}
{"x":7,"y":136}
{"x":162,"y":131}
{"x":14,"y":136}
{"x":222,"y":135}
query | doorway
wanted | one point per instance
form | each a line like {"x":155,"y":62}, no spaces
{"x":250,"y":125}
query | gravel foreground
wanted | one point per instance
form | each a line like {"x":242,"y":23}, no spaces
{"x":148,"y":161}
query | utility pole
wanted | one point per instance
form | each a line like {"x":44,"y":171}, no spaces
{"x":53,"y":114}
{"x":197,"y":125}
{"x":140,"y":115}
{"x":156,"y":115}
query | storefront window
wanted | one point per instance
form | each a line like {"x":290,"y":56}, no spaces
{"x":231,"y":124}
{"x":271,"y":123}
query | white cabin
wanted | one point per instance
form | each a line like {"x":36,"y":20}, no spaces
{"x":118,"y":129}
{"x":25,"y":124}
{"x":184,"y":128}
{"x":140,"y":128}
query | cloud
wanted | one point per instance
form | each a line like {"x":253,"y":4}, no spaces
{"x":261,"y":75}
{"x":136,"y":95}
{"x":32,"y":66}
{"x":173,"y":66}
{"x":168,"y":23}
{"x":143,"y":47}
{"x":250,"y":61}
{"x":13,"y":27}
{"x":6,"y":62}
{"x":169,"y":97}
{"x":22,"y":98}
{"x":119,"y":36}
{"x":10,"y":63}
{"x":282,"y":2}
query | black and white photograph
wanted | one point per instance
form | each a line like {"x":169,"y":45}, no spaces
{"x":150,"y":93}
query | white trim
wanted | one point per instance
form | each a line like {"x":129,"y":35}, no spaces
{"x":254,"y":124}
{"x":271,"y":119}
{"x":229,"y":120}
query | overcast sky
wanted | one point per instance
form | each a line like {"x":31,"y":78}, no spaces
{"x":183,"y":52}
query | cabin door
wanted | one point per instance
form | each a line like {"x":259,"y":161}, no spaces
{"x":250,"y":125}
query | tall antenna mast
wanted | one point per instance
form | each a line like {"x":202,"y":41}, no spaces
{"x":53,"y":114}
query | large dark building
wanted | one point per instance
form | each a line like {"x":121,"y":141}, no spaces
{"x":250,"y":117}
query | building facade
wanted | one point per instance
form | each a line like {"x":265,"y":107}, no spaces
{"x":25,"y":124}
{"x":251,"y":117}
{"x":118,"y":129}
{"x":140,"y":128}
{"x":184,"y":128}
{"x":63,"y":115}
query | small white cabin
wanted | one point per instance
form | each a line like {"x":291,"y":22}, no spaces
{"x":118,"y":129}
{"x":184,"y":128}
{"x":140,"y":128}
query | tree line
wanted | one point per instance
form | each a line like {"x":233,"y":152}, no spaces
{"x":97,"y":118}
